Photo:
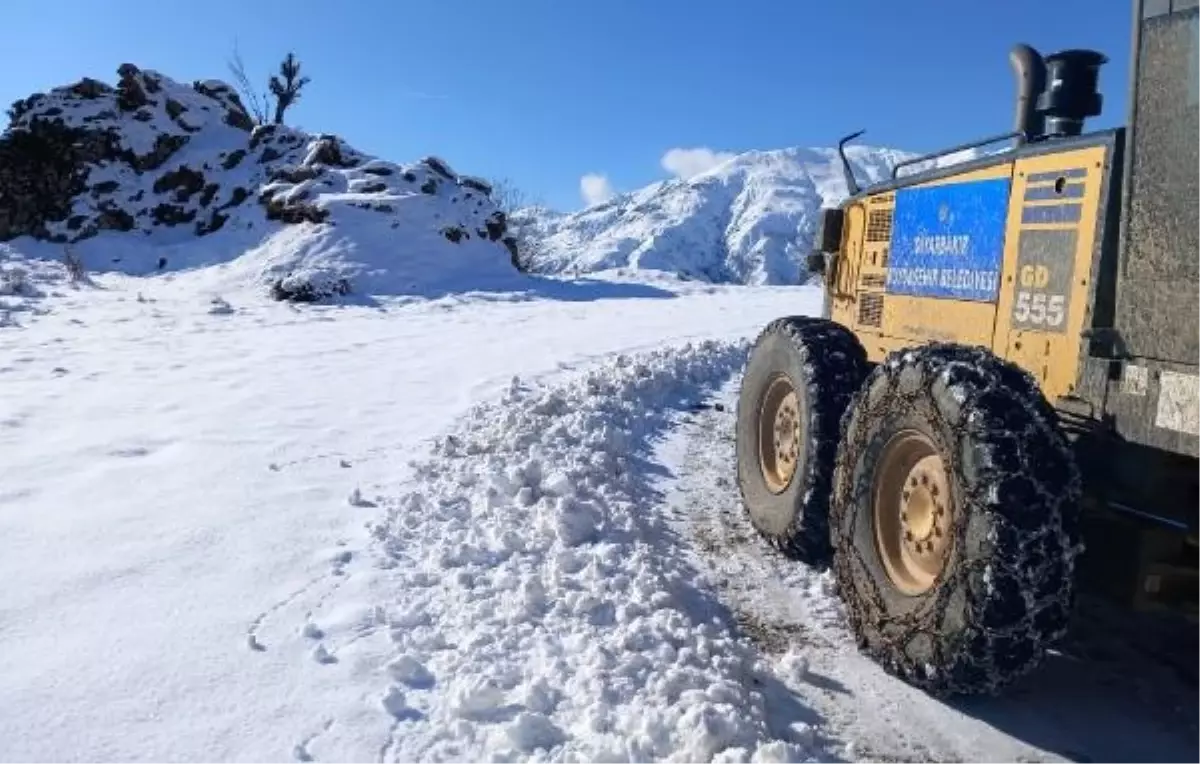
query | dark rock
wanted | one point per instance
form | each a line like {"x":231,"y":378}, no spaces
{"x":328,"y":151}
{"x":143,"y":115}
{"x":378,"y":170}
{"x":307,"y":292}
{"x":429,"y":186}
{"x":114,"y":219}
{"x":164,"y":146}
{"x":294,"y":213}
{"x":261,"y":133}
{"x":409,"y":176}
{"x":510,"y":243}
{"x":238,"y":196}
{"x":105,"y":187}
{"x":235,"y":111}
{"x":175,"y":108}
{"x":76,"y":222}
{"x":240,"y":119}
{"x":184,"y":181}
{"x":497,"y":225}
{"x":383,"y":208}
{"x":476,"y":184}
{"x":206,"y":196}
{"x":440,"y":167}
{"x":269,"y":155}
{"x":234,"y":159}
{"x":214,"y":223}
{"x":454,"y":234}
{"x":295,"y":174}
{"x":172,"y":214}
{"x":373,"y":188}
{"x":130,"y":93}
{"x":90,"y":88}
{"x":42,"y":168}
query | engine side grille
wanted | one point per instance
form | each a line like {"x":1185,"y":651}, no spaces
{"x":875,"y":280}
{"x":870,"y":309}
{"x":879,"y":225}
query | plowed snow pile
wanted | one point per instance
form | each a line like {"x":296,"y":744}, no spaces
{"x":542,"y":609}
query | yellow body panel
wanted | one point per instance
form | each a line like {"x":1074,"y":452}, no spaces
{"x":1048,"y":246}
{"x":1056,"y":280}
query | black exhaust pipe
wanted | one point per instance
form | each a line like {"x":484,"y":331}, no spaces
{"x":1073,"y":92}
{"x":1030,"y":71}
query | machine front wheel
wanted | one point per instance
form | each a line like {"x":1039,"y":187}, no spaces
{"x":954,"y":520}
{"x":797,"y":383}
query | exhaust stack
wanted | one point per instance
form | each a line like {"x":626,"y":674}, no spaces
{"x":1030,"y":72}
{"x":1072,"y":94}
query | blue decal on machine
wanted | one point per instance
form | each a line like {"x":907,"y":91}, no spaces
{"x":948,"y":241}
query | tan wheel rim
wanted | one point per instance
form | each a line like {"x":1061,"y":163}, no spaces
{"x":779,"y":434}
{"x":913,"y":513}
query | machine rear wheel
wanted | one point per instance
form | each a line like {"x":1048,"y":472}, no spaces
{"x":952,"y":520}
{"x":798,"y":381}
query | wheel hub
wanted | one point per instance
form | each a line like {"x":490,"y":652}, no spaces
{"x":913,"y":513}
{"x":779,"y":434}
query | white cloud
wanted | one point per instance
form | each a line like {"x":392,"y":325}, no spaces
{"x":595,"y":188}
{"x":686,"y":163}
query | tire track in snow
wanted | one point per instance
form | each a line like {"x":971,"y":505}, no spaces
{"x":1073,"y":708}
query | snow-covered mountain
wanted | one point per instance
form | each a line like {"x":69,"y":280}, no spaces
{"x":749,"y":220}
{"x":155,"y":175}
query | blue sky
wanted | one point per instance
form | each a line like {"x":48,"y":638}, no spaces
{"x":545,"y":92}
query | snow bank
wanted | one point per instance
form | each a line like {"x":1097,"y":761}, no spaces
{"x":543,"y":610}
{"x":749,"y":220}
{"x":156,"y":176}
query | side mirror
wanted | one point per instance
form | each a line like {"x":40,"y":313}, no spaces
{"x":815,"y":263}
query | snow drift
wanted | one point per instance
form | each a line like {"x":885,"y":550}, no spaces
{"x":153,"y":175}
{"x":749,"y":220}
{"x":541,"y":611}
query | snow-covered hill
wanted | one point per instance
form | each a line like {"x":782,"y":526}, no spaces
{"x":749,"y":220}
{"x":154,"y":175}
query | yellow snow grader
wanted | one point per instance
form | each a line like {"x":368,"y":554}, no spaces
{"x":1000,"y":403}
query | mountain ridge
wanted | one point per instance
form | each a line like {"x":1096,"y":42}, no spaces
{"x":750,"y":219}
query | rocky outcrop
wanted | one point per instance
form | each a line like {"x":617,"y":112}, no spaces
{"x":150,"y":154}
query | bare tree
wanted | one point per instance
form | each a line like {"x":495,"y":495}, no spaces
{"x":522,"y":228}
{"x":287,"y":89}
{"x":255,"y":101}
{"x":507,"y":196}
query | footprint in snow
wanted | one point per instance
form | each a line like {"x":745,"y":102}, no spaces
{"x":130,"y":453}
{"x":321,"y":655}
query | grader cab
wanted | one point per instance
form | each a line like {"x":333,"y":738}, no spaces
{"x":1001,"y":402}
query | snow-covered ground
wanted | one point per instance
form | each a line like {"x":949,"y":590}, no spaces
{"x":185,"y":491}
{"x":485,"y":527}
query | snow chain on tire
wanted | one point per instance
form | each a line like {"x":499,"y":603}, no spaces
{"x":1006,"y":590}
{"x":825,"y":363}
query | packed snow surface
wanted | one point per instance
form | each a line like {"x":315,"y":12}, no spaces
{"x":188,"y":487}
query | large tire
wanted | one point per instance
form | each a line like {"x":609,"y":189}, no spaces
{"x":1002,"y":550}
{"x":822,"y":363}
